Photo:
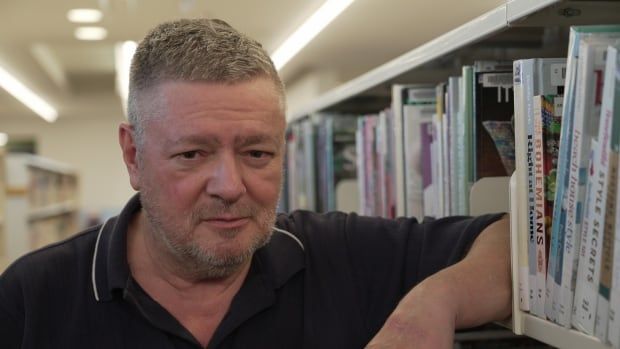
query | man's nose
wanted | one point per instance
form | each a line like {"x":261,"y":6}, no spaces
{"x":226,"y":180}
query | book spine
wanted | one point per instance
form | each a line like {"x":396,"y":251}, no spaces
{"x":613,"y":333}
{"x":521,"y":176}
{"x":539,"y":195}
{"x":550,"y":75}
{"x":361,"y":171}
{"x":453,"y":109}
{"x":467,"y":103}
{"x":609,"y":186}
{"x":565,"y":264}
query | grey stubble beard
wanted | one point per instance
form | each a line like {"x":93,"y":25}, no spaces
{"x":191,"y":261}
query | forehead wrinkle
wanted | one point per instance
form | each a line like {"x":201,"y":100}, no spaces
{"x":196,"y":140}
{"x":241,"y":140}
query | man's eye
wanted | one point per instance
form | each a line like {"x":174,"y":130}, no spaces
{"x":257,"y":154}
{"x":189,"y":155}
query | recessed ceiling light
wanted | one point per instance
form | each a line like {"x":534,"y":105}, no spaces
{"x":25,"y":95}
{"x":308,"y":30}
{"x":91,"y":33}
{"x":84,"y":15}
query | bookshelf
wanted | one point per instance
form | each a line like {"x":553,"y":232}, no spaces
{"x":515,"y":30}
{"x":3,"y":190}
{"x":41,"y":204}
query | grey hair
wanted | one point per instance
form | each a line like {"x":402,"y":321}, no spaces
{"x":208,"y":50}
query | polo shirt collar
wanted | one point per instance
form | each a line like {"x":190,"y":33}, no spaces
{"x":276,"y":262}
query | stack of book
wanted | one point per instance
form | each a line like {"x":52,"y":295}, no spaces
{"x":568,"y":162}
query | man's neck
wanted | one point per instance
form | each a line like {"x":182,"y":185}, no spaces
{"x":198,"y":304}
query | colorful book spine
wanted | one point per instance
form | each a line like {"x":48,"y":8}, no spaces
{"x":613,"y":332}
{"x":539,"y":203}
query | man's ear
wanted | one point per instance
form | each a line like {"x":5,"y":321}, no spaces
{"x":126,"y":140}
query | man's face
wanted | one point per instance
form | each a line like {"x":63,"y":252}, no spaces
{"x":210,"y":170}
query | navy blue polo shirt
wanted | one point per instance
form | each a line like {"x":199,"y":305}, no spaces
{"x":323,"y":281}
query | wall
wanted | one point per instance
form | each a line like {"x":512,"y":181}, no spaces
{"x":307,"y":87}
{"x":91,"y":146}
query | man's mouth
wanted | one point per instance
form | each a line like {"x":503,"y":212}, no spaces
{"x":227,"y":222}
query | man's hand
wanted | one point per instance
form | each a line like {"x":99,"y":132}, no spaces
{"x":472,"y":292}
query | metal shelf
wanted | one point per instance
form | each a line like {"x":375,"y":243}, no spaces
{"x":52,"y":210}
{"x":482,"y":26}
{"x":482,"y":38}
{"x":558,"y":336}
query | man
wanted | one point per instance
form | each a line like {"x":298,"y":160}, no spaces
{"x":199,"y":258}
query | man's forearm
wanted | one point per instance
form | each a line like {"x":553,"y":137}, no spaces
{"x":480,"y":284}
{"x":472,"y":292}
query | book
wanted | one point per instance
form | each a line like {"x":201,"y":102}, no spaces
{"x":441,"y":97}
{"x":336,"y":158}
{"x":607,"y":168}
{"x":537,"y":76}
{"x":546,"y":122}
{"x":493,"y":101}
{"x":586,"y":126}
{"x":463,"y":170}
{"x":564,"y":231}
{"x":399,"y":98}
{"x":452,"y":110}
{"x":613,"y":332}
{"x":418,"y":110}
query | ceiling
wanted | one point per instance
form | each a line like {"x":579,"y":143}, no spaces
{"x":77,"y":77}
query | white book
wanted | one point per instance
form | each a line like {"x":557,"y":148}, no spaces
{"x":445,"y":164}
{"x":399,"y":97}
{"x":420,"y":111}
{"x":587,"y":117}
{"x":613,"y":328}
{"x":539,"y":198}
{"x":381,"y":153}
{"x":604,"y":168}
{"x":521,"y":177}
{"x":613,"y":332}
{"x":438,"y":165}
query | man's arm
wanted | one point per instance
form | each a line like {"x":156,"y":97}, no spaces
{"x":469,"y":293}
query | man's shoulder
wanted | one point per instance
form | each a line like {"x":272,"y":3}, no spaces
{"x":57,"y":259}
{"x":301,"y":222}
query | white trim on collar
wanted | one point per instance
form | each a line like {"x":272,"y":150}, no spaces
{"x":291,"y":236}
{"x":95,"y":259}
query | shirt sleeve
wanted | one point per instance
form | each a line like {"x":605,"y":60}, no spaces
{"x":383,"y":258}
{"x":389,"y":257}
{"x":11,"y":309}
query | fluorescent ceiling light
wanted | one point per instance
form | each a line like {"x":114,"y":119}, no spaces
{"x":91,"y":33}
{"x":27,"y":97}
{"x":84,"y":15}
{"x":123,"y":53}
{"x":308,"y":30}
{"x":4,"y":139}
